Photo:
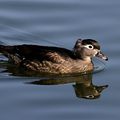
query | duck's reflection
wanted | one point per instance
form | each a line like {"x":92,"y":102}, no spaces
{"x":87,"y":89}
{"x":82,"y":84}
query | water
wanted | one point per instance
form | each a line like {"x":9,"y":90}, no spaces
{"x":60,"y":23}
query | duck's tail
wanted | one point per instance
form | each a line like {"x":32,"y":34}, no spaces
{"x":2,"y":48}
{"x":8,"y":51}
{"x":5,"y":49}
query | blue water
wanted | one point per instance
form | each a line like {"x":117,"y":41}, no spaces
{"x":60,"y":23}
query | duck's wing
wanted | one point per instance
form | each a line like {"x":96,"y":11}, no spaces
{"x":41,"y":53}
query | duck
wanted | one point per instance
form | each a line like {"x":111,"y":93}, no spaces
{"x":55,"y":60}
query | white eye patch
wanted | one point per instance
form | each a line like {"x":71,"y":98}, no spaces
{"x":89,"y":46}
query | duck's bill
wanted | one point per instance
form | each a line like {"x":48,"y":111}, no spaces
{"x":102,"y":56}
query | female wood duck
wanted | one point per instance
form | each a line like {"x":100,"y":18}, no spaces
{"x":56,"y":60}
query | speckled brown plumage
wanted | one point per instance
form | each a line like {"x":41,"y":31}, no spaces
{"x":53,"y":59}
{"x":66,"y":66}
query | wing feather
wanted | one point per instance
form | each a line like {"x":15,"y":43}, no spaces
{"x":43,"y":53}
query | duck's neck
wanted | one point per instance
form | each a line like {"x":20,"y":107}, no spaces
{"x":81,"y":57}
{"x":87,"y":59}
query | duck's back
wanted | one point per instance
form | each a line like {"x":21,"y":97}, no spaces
{"x":43,"y":52}
{"x":18,"y":53}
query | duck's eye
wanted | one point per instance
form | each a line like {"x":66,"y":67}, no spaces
{"x":89,"y":46}
{"x":90,"y":96}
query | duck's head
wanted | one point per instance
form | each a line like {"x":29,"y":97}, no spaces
{"x":88,"y":48}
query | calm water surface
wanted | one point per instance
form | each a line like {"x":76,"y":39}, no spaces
{"x":60,"y":23}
